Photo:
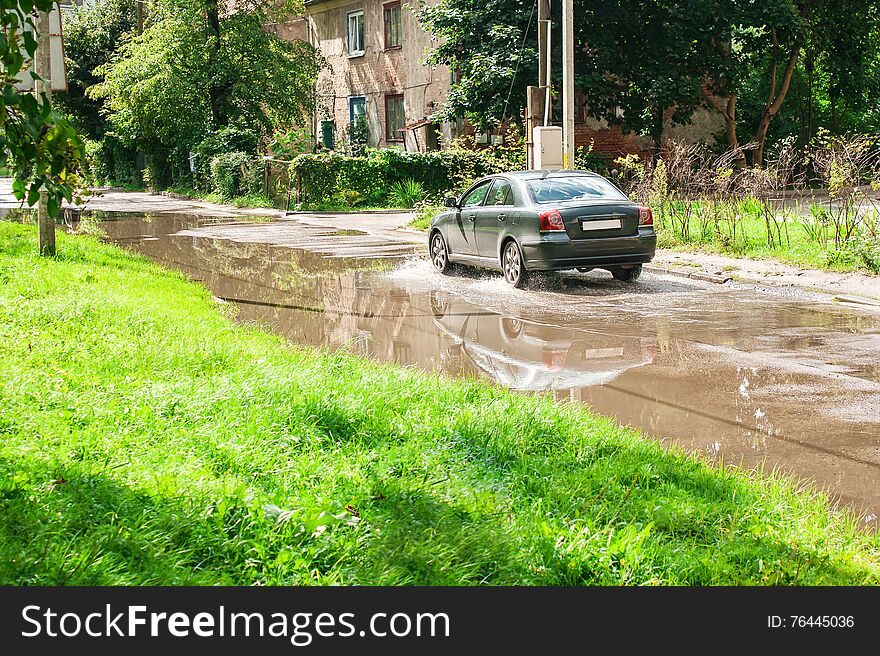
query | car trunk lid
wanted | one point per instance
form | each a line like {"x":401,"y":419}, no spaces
{"x":598,"y":220}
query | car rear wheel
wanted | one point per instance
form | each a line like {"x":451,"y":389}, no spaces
{"x":440,"y":254}
{"x":512,"y":265}
{"x":630,"y":274}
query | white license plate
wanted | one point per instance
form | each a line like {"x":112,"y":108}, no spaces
{"x":607,"y":224}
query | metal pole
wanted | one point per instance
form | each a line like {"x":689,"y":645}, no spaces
{"x":568,"y":84}
{"x":42,"y":67}
{"x":547,"y":79}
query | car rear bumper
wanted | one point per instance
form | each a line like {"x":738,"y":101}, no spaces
{"x":554,"y":251}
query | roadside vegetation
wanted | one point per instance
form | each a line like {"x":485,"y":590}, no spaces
{"x":149,"y":439}
{"x":705,"y":201}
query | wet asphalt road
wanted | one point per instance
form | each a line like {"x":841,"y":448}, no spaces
{"x":757,"y":377}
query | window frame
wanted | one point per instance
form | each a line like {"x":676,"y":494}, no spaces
{"x":480,"y":183}
{"x":361,"y":33}
{"x":389,"y":98}
{"x":509,"y":198}
{"x":386,"y":8}
{"x":352,"y":101}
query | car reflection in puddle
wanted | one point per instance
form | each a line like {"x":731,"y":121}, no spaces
{"x":529,"y":356}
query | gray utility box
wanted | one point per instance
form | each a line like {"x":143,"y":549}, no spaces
{"x":548,"y":148}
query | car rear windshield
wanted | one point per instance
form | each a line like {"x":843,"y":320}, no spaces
{"x":573,"y":187}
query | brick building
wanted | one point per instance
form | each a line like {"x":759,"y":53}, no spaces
{"x":375,"y":50}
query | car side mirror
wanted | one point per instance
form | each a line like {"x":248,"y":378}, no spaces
{"x":450,"y":202}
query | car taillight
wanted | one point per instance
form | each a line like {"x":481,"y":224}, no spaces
{"x":645,"y":216}
{"x":551,"y":221}
{"x":554,"y":360}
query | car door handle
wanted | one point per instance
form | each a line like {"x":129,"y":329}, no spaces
{"x":472,"y":217}
{"x":502,"y":217}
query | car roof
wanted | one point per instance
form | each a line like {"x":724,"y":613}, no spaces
{"x":536,"y":174}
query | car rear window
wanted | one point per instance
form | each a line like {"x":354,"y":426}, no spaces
{"x":573,"y":187}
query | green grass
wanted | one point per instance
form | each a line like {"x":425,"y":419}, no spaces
{"x":145,"y":438}
{"x":248,"y":200}
{"x":791,"y":244}
{"x":338,"y":207}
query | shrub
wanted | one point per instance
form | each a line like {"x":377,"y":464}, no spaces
{"x":230,"y":173}
{"x":110,"y":161}
{"x":324,"y":176}
{"x":223,"y":141}
{"x":407,"y":193}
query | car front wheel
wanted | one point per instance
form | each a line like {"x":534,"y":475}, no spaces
{"x":439,"y":253}
{"x":630,"y":274}
{"x":512,"y":265}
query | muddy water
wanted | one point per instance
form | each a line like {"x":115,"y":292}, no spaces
{"x":753,"y":378}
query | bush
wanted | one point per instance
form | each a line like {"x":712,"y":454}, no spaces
{"x":327,"y":177}
{"x":224,"y":141}
{"x":110,"y":161}
{"x":233,"y":174}
{"x":407,"y":193}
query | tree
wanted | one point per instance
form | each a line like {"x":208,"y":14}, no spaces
{"x":92,"y":33}
{"x":491,"y":48}
{"x":640,"y":63}
{"x":199,"y":67}
{"x":41,"y":148}
{"x":646,"y":63}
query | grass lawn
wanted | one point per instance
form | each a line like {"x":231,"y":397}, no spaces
{"x":145,"y":438}
{"x":790,"y":245}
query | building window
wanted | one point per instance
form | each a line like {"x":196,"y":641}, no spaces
{"x":358,"y":133}
{"x":393,"y":28}
{"x":356,"y":33}
{"x":357,"y":108}
{"x":394,"y":118}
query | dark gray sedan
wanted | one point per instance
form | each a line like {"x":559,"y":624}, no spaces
{"x":529,"y":221}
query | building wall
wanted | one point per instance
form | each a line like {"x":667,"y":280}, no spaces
{"x":612,"y":142}
{"x":377,"y":73}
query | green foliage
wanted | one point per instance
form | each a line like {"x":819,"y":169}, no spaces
{"x":702,"y":201}
{"x":326,"y":176}
{"x":38,"y":146}
{"x":643,"y":65}
{"x":196,"y":70}
{"x":233,"y":174}
{"x":407,"y":193}
{"x":92,"y":32}
{"x":289,"y":141}
{"x":225,"y":140}
{"x":358,"y":136}
{"x":178,"y":447}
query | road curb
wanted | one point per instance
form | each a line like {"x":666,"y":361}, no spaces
{"x":856,"y":300}
{"x":324,"y":213}
{"x":718,"y":279}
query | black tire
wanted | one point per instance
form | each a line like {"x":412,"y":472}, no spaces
{"x":627,"y":275}
{"x":511,"y":328}
{"x":513,"y":266}
{"x":439,"y":254}
{"x":439,"y":304}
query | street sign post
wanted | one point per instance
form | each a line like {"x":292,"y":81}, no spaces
{"x":57,"y":65}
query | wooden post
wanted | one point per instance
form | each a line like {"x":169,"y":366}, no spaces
{"x":568,"y":84}
{"x":42,"y":67}
{"x":534,"y":118}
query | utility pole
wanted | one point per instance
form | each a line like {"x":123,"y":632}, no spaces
{"x":543,"y":43}
{"x":42,"y":67}
{"x":568,"y":84}
{"x":538,"y":98}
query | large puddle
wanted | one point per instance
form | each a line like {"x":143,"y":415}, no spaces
{"x":735,"y":374}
